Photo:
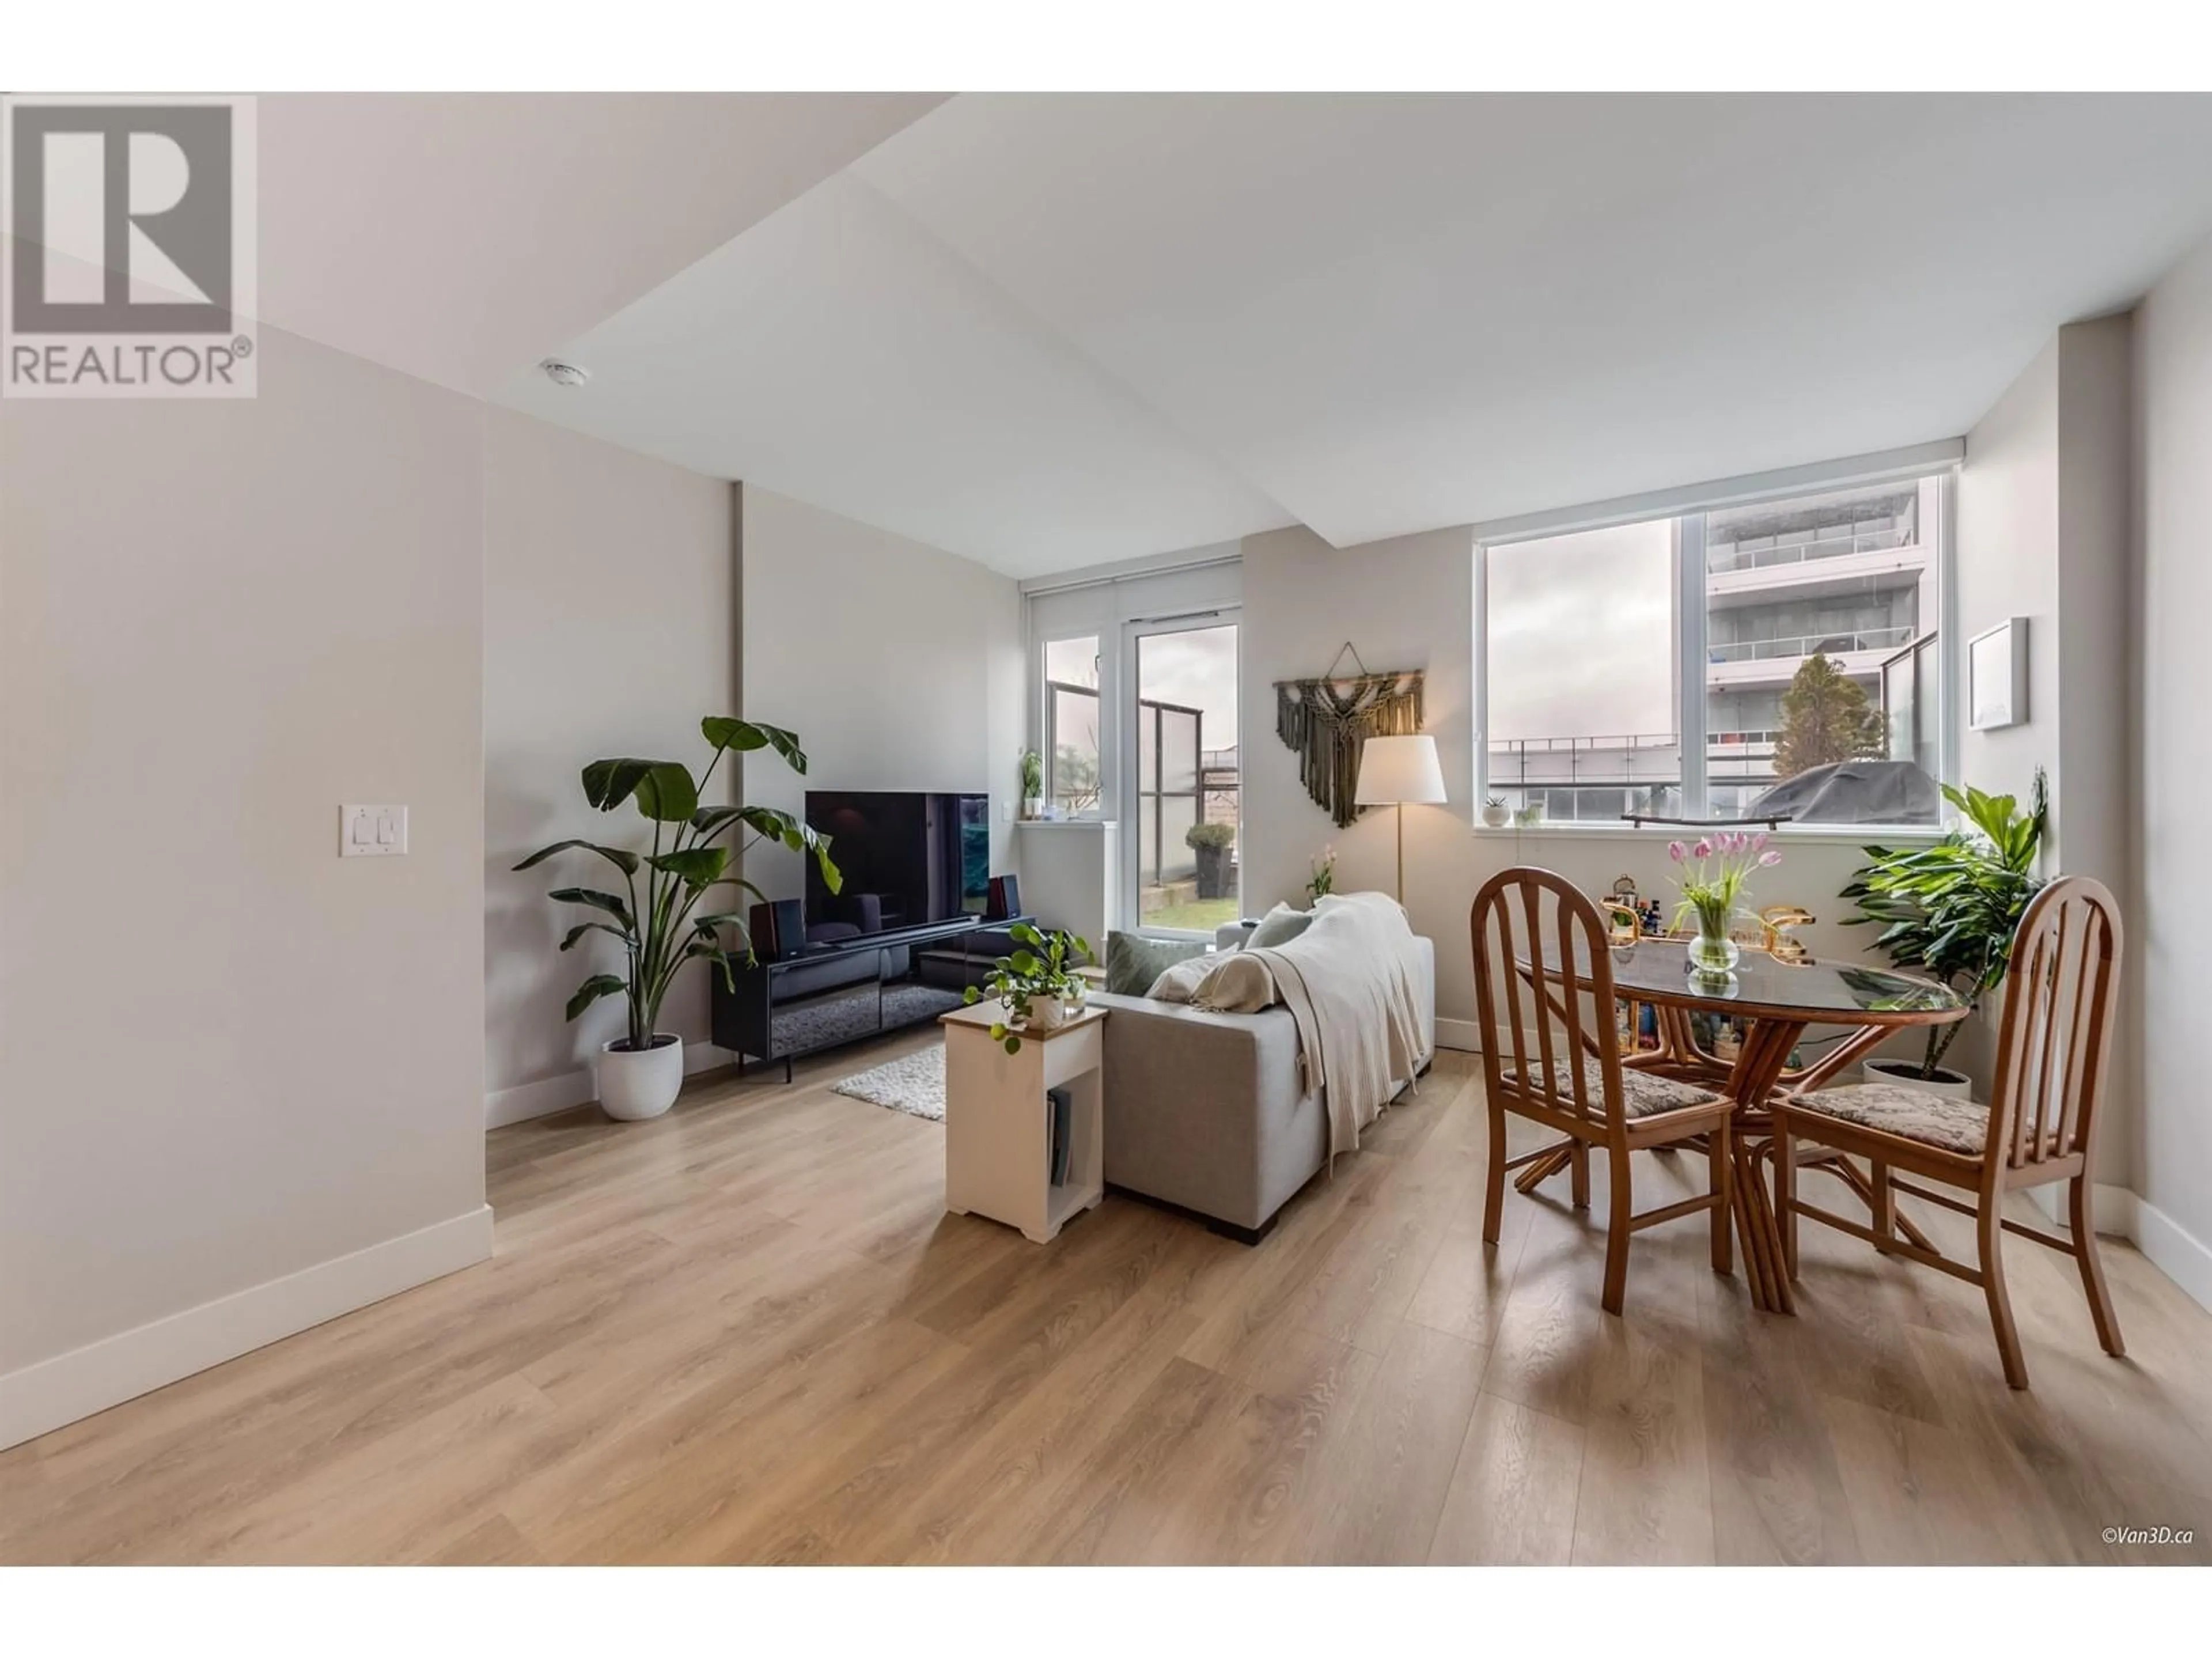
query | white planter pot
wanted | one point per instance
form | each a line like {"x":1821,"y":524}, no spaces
{"x":1047,"y":1013}
{"x":642,"y":1083}
{"x":1497,"y":816}
{"x":1033,"y":806}
{"x":1955,"y":1085}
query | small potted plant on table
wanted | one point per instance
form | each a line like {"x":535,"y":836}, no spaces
{"x":1037,"y":984}
{"x":656,"y":915}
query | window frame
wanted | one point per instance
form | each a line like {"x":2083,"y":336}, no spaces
{"x":1039,"y":655}
{"x":1129,"y":768}
{"x":1689,"y":514}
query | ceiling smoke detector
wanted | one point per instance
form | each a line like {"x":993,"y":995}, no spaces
{"x":563,"y":373}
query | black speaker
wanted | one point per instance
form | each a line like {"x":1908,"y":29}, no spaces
{"x":779,"y":929}
{"x":1005,"y":899}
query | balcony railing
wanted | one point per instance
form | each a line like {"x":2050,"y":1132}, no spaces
{"x":1806,"y":645}
{"x":1732,"y":556}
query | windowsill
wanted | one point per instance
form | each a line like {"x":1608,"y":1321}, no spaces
{"x":1789,"y":836}
{"x":1064,"y":823}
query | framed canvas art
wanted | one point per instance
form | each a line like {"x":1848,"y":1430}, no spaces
{"x":1997,"y":675}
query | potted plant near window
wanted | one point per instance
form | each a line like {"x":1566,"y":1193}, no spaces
{"x":1032,"y":784}
{"x":1950,"y":911}
{"x":1037,"y":984}
{"x":1211,"y":842}
{"x":656,"y":915}
{"x":1496,"y":813}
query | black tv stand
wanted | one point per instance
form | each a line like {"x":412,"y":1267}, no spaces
{"x":824,"y":996}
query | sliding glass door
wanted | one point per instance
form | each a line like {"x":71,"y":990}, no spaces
{"x":1185,"y":803}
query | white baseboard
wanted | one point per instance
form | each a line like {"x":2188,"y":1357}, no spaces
{"x":43,"y":1396}
{"x":1463,"y":1035}
{"x":2181,"y":1257}
{"x":558,"y":1094}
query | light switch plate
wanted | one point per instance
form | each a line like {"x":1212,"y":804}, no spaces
{"x":372,"y":832}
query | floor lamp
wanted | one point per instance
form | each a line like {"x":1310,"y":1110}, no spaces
{"x":1398,"y":772}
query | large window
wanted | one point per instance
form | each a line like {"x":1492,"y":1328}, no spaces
{"x":1783,"y":659}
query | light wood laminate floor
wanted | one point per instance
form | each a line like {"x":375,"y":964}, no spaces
{"x":747,"y":1333}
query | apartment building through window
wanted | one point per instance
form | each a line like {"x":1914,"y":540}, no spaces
{"x":1783,"y":657}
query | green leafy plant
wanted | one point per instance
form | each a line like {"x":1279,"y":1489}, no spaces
{"x":1042,"y":965}
{"x":1950,"y":910}
{"x":1322,"y":882}
{"x":1216,"y":835}
{"x":1032,"y":774}
{"x":655,"y":915}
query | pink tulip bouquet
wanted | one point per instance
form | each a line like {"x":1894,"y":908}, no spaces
{"x":1714,"y":869}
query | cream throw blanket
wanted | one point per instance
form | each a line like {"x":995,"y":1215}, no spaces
{"x":1351,"y":983}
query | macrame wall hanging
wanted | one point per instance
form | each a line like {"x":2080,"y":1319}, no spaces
{"x":1328,"y":721}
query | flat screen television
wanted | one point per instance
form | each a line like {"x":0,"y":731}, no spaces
{"x":922,"y":857}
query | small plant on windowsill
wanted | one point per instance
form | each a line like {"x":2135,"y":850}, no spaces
{"x":1496,"y":813}
{"x":1038,"y":983}
{"x":1322,"y":882}
{"x":1032,"y":784}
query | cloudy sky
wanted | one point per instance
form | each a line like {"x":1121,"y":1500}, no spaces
{"x":1582,"y":635}
{"x":1197,"y":669}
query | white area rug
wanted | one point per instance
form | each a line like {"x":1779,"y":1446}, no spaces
{"x":913,"y":1084}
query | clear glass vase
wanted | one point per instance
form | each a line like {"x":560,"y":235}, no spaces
{"x":1712,"y":953}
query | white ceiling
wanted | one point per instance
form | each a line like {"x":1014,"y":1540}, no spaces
{"x":1052,"y":331}
{"x":458,"y":236}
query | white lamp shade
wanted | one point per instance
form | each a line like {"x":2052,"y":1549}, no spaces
{"x":1399,"y":770}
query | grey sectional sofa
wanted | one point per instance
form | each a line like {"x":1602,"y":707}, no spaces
{"x":1203,"y":1111}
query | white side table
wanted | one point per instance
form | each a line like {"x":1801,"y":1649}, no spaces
{"x":998,"y":1122}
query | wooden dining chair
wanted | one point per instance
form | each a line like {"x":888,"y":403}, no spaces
{"x":1548,"y":1055}
{"x":2053,"y":1046}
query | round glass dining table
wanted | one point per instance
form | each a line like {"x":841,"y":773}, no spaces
{"x":1776,"y":1001}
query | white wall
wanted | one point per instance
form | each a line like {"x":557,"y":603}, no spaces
{"x":2170,"y":972}
{"x":900,"y":666}
{"x":1409,"y":604}
{"x":2007,"y":556}
{"x":609,"y":628}
{"x":232,"y":1065}
{"x":2043,"y":532}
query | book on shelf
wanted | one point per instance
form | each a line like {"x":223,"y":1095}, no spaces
{"x":1060,"y":1134}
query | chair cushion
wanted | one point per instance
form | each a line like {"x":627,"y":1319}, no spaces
{"x":1643,"y":1094}
{"x":1942,"y":1121}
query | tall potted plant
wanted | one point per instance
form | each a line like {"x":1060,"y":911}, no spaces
{"x":656,"y":915}
{"x":1950,"y":910}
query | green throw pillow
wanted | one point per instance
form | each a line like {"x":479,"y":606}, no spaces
{"x":1278,"y":926}
{"x":1133,"y":961}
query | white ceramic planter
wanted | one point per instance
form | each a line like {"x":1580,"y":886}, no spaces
{"x":635,"y":1086}
{"x":1905,"y":1074}
{"x":1047,"y":1013}
{"x":1497,"y":817}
